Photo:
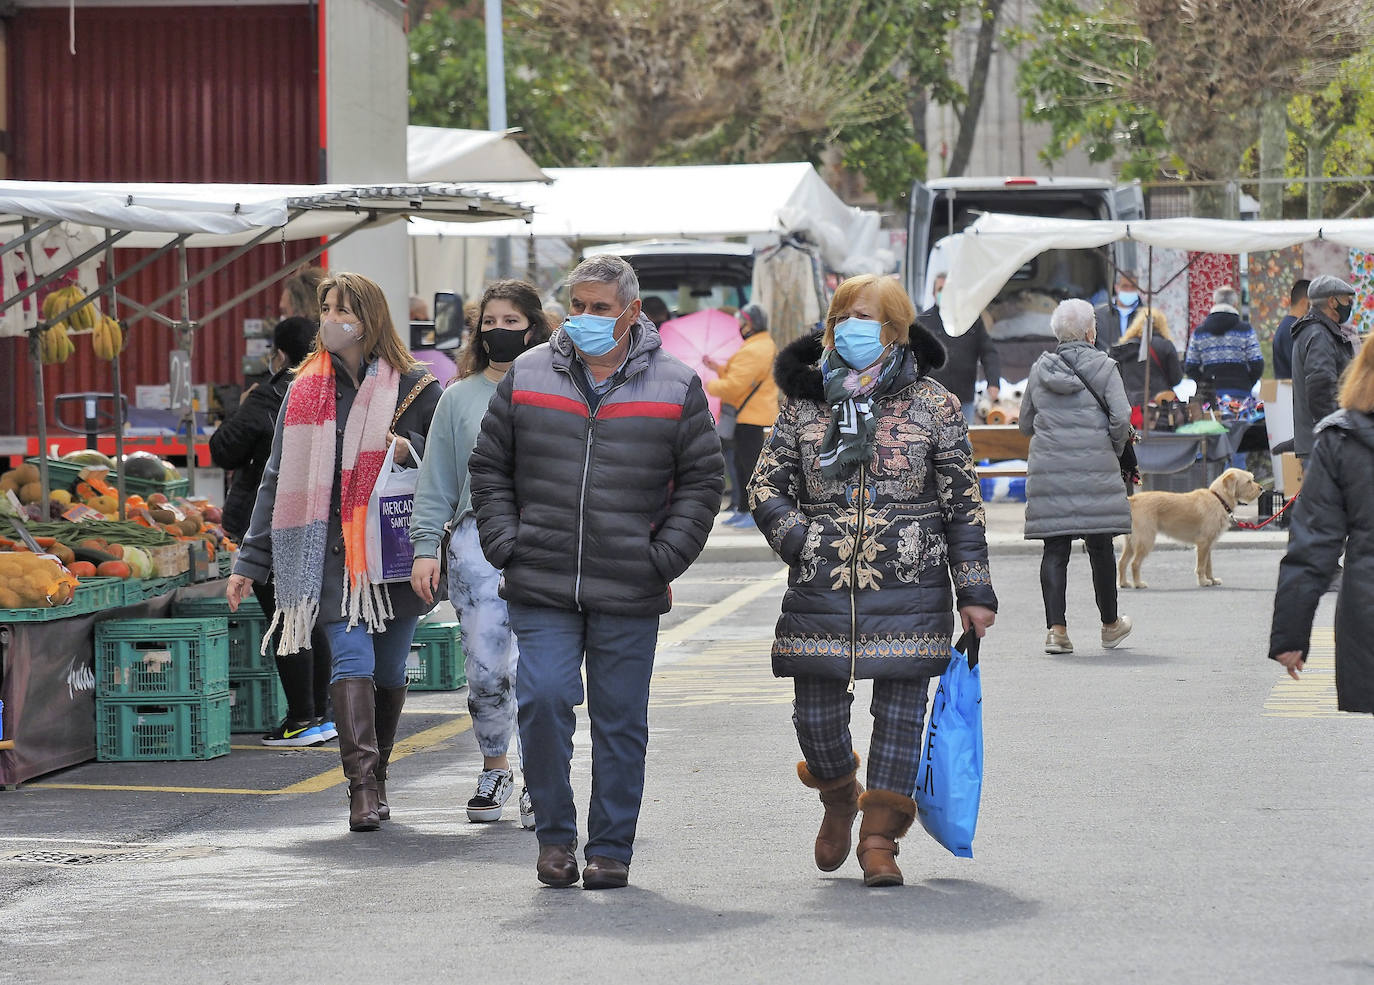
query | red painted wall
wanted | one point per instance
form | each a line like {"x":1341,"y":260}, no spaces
{"x":193,"y":93}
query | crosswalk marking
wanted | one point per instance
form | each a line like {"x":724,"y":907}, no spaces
{"x":735,"y":672}
{"x":1313,"y":695}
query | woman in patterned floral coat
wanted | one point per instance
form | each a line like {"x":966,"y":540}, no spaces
{"x":867,"y":490}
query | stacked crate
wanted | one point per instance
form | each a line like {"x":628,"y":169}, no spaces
{"x":162,"y":689}
{"x":257,"y":702}
{"x":436,"y":658}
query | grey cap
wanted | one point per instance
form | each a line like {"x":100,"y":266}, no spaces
{"x":1326,"y":286}
{"x":756,"y":315}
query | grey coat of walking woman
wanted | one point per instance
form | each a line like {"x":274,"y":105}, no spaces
{"x":1073,"y":477}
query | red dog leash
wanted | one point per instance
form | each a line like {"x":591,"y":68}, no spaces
{"x":1260,"y":526}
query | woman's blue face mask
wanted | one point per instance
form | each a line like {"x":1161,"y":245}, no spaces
{"x":594,"y":335}
{"x":859,"y":342}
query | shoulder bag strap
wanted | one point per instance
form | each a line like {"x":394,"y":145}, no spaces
{"x":1101,"y":402}
{"x":415,"y":391}
{"x":750,"y":394}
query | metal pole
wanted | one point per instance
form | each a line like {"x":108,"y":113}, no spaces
{"x":20,"y":240}
{"x":40,"y":399}
{"x":115,"y":383}
{"x":1148,"y":336}
{"x":186,"y":339}
{"x":496,"y":104}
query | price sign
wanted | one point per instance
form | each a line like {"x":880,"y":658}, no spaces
{"x":180,"y":379}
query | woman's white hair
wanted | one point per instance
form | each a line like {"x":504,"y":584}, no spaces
{"x":1073,"y":321}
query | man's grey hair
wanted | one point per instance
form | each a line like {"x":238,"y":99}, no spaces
{"x":1226,"y":295}
{"x":607,"y":269}
{"x":1073,"y":320}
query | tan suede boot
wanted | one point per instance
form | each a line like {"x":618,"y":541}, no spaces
{"x":840,"y":795}
{"x":887,"y":817}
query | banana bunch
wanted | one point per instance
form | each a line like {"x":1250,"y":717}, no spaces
{"x":63,"y":298}
{"x":107,"y":338}
{"x":54,"y":346}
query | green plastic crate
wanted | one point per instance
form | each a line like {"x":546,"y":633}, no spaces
{"x":256,"y":703}
{"x":64,"y":475}
{"x":246,"y":629}
{"x":140,"y":730}
{"x":99,"y":594}
{"x":161,"y":658}
{"x":138,"y":589}
{"x":75,"y":607}
{"x":436,"y":660}
{"x":225,"y":560}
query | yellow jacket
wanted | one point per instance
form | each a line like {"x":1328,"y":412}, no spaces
{"x":752,"y":363}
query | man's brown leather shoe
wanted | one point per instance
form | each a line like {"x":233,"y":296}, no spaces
{"x":605,"y":873}
{"x":557,"y":865}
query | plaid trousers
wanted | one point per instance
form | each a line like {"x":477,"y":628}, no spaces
{"x":820,"y":713}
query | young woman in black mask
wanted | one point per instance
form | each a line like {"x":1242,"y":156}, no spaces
{"x":510,"y":320}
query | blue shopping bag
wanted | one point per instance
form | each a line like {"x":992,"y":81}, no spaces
{"x":949,"y":781}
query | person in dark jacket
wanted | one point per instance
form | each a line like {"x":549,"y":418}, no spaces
{"x":1165,"y":370}
{"x":1224,"y":349}
{"x":963,"y":355}
{"x":867,"y":491}
{"x":242,"y":444}
{"x":358,"y":394}
{"x":1322,"y":349}
{"x":1335,"y":512}
{"x":1112,"y":319}
{"x":1298,"y":305}
{"x":1073,"y":477}
{"x":596,"y":479}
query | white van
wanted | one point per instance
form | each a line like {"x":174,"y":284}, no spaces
{"x":942,"y":208}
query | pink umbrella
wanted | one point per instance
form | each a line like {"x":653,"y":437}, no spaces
{"x":709,"y":332}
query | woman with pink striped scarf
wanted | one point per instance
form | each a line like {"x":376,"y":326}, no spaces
{"x":358,"y":392}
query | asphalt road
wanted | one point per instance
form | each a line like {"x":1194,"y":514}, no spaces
{"x":1171,"y":811}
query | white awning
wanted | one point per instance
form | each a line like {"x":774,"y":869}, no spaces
{"x":601,"y":205}
{"x":229,"y":214}
{"x":995,"y":246}
{"x":446,"y":154}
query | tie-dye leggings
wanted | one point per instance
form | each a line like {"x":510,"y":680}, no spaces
{"x":489,"y":644}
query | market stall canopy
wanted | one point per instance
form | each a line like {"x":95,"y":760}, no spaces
{"x":446,"y":154}
{"x":231,"y":214}
{"x":705,"y":201}
{"x":995,"y":246}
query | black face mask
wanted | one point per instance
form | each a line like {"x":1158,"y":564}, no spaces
{"x":1343,"y":312}
{"x":504,"y":344}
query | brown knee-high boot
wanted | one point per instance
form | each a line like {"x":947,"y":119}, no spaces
{"x":390,"y":700}
{"x":840,"y":795}
{"x":887,"y":817}
{"x":355,"y":716}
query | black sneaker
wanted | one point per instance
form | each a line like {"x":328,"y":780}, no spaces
{"x":293,"y":733}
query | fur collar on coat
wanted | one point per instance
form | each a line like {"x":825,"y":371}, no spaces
{"x":798,"y":373}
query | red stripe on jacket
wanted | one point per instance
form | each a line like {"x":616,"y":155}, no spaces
{"x":641,"y":408}
{"x":550,"y":401}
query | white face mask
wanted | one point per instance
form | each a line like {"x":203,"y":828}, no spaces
{"x":339,"y":335}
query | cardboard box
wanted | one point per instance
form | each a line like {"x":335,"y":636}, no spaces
{"x":1290,"y":474}
{"x":159,"y":397}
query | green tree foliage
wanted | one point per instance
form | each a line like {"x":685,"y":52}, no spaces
{"x":548,"y":95}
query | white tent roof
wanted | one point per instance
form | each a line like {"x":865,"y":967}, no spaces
{"x":227,"y":214}
{"x":994,"y":247}
{"x":699,"y":201}
{"x":445,"y":154}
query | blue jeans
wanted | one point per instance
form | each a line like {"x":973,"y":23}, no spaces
{"x":358,"y":653}
{"x":619,"y":651}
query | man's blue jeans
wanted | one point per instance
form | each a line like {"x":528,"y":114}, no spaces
{"x":358,"y":653}
{"x":548,"y":685}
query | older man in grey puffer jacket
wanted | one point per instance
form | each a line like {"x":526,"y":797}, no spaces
{"x":1073,"y":483}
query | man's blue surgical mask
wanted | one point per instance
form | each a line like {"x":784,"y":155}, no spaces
{"x":859,"y":342}
{"x":594,"y":335}
{"x":1127,"y":299}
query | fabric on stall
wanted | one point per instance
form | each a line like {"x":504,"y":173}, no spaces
{"x":1208,"y":272}
{"x":14,"y":277}
{"x":785,"y":287}
{"x":1362,"y":279}
{"x":1324,"y":256}
{"x":1171,"y":287}
{"x":1272,"y":274}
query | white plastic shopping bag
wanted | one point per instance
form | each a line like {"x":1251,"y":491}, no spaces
{"x":389,"y":552}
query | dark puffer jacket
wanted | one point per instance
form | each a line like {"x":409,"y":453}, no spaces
{"x":254,"y":559}
{"x":242,"y":443}
{"x":872,"y":555}
{"x":1335,"y":512}
{"x":1320,"y":354}
{"x":596,"y":510}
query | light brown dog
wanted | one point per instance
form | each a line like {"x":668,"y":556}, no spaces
{"x":1198,"y":517}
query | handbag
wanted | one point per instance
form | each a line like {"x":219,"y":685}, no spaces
{"x":949,"y":780}
{"x":725,"y":427}
{"x":1130,"y":467}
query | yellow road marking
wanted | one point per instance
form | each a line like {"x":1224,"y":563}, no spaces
{"x":736,"y":672}
{"x":1313,"y":695}
{"x":315,"y":784}
{"x":689,"y":628}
